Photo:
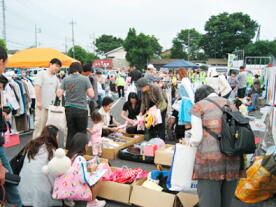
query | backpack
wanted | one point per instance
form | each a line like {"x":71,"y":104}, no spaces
{"x":236,"y":137}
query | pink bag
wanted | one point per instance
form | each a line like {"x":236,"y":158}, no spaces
{"x":11,"y":139}
{"x":149,"y":149}
{"x":68,"y":185}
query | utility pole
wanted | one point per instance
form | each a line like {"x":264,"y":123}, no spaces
{"x":258,"y":34}
{"x":35,"y":36}
{"x":65,"y":45}
{"x":4,"y":20}
{"x":188,"y":45}
{"x":73,"y":37}
{"x":37,"y":30}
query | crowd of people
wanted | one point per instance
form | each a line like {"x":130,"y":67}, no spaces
{"x":183,"y":108}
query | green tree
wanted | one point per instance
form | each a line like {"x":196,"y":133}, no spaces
{"x":187,"y":44}
{"x":3,"y":44}
{"x":90,"y":57}
{"x":177,"y":50}
{"x":106,"y":43}
{"x":261,"y":48}
{"x":157,"y":48}
{"x":226,"y":33}
{"x":140,"y":48}
{"x":80,"y":53}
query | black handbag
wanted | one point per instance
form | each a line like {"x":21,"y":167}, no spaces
{"x":17,"y":162}
{"x":12,"y":179}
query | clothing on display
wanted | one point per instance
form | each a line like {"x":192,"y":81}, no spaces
{"x":19,"y":94}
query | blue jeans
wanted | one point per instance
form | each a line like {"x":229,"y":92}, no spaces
{"x":255,"y":100}
{"x":12,"y":193}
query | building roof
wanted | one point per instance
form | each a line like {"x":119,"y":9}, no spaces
{"x":115,"y":50}
{"x":162,"y":61}
{"x":216,"y":61}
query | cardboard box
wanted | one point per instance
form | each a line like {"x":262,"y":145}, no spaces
{"x":142,"y":196}
{"x":89,"y":157}
{"x":163,"y":157}
{"x":112,"y":153}
{"x":115,"y":191}
{"x":133,"y":140}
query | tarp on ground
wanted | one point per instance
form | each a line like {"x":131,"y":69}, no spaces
{"x":181,"y":64}
{"x":38,"y":57}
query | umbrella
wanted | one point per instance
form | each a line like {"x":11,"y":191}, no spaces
{"x":181,"y":64}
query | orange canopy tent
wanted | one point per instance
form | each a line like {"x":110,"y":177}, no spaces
{"x":38,"y":57}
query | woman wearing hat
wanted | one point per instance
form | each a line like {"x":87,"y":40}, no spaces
{"x":152,"y":95}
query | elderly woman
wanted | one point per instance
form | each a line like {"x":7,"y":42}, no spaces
{"x":152,"y":95}
{"x":217,"y":174}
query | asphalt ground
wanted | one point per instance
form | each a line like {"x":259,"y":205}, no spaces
{"x":116,"y":111}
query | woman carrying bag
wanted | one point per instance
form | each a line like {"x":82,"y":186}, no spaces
{"x":217,"y":174}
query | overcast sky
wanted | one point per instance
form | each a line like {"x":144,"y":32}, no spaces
{"x":162,"y":18}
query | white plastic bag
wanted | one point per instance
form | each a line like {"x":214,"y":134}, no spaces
{"x":132,"y":88}
{"x":57,"y":117}
{"x":181,"y":172}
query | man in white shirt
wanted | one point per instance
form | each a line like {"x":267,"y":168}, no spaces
{"x":46,"y":85}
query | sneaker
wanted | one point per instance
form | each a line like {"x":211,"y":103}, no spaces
{"x":69,"y":203}
{"x":96,"y":203}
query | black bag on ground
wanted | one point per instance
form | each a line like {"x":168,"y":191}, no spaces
{"x":237,"y":137}
{"x":125,"y":154}
{"x":17,"y":162}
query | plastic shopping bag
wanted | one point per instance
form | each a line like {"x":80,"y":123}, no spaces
{"x":260,"y":182}
{"x":180,"y":177}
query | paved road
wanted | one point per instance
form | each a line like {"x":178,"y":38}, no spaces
{"x":116,"y":110}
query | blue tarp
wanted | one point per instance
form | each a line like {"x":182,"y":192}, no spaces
{"x":181,"y":64}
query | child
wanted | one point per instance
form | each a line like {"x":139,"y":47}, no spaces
{"x":96,"y":133}
{"x":241,"y":107}
{"x":75,"y":153}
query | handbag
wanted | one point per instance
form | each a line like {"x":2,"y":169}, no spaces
{"x":57,"y":116}
{"x":11,"y":139}
{"x":68,"y":185}
{"x":180,"y":176}
{"x":17,"y":162}
{"x":12,"y":179}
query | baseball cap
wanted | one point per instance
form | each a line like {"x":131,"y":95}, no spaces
{"x":150,"y":66}
{"x":142,"y":82}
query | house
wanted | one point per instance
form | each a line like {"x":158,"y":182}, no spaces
{"x":118,"y":56}
{"x":165,"y":53}
{"x":217,"y":61}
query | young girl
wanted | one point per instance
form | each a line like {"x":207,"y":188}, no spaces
{"x":35,"y":187}
{"x":96,"y":133}
{"x":75,"y":153}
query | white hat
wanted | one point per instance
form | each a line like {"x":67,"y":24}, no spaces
{"x":150,"y":66}
{"x":212,"y":72}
